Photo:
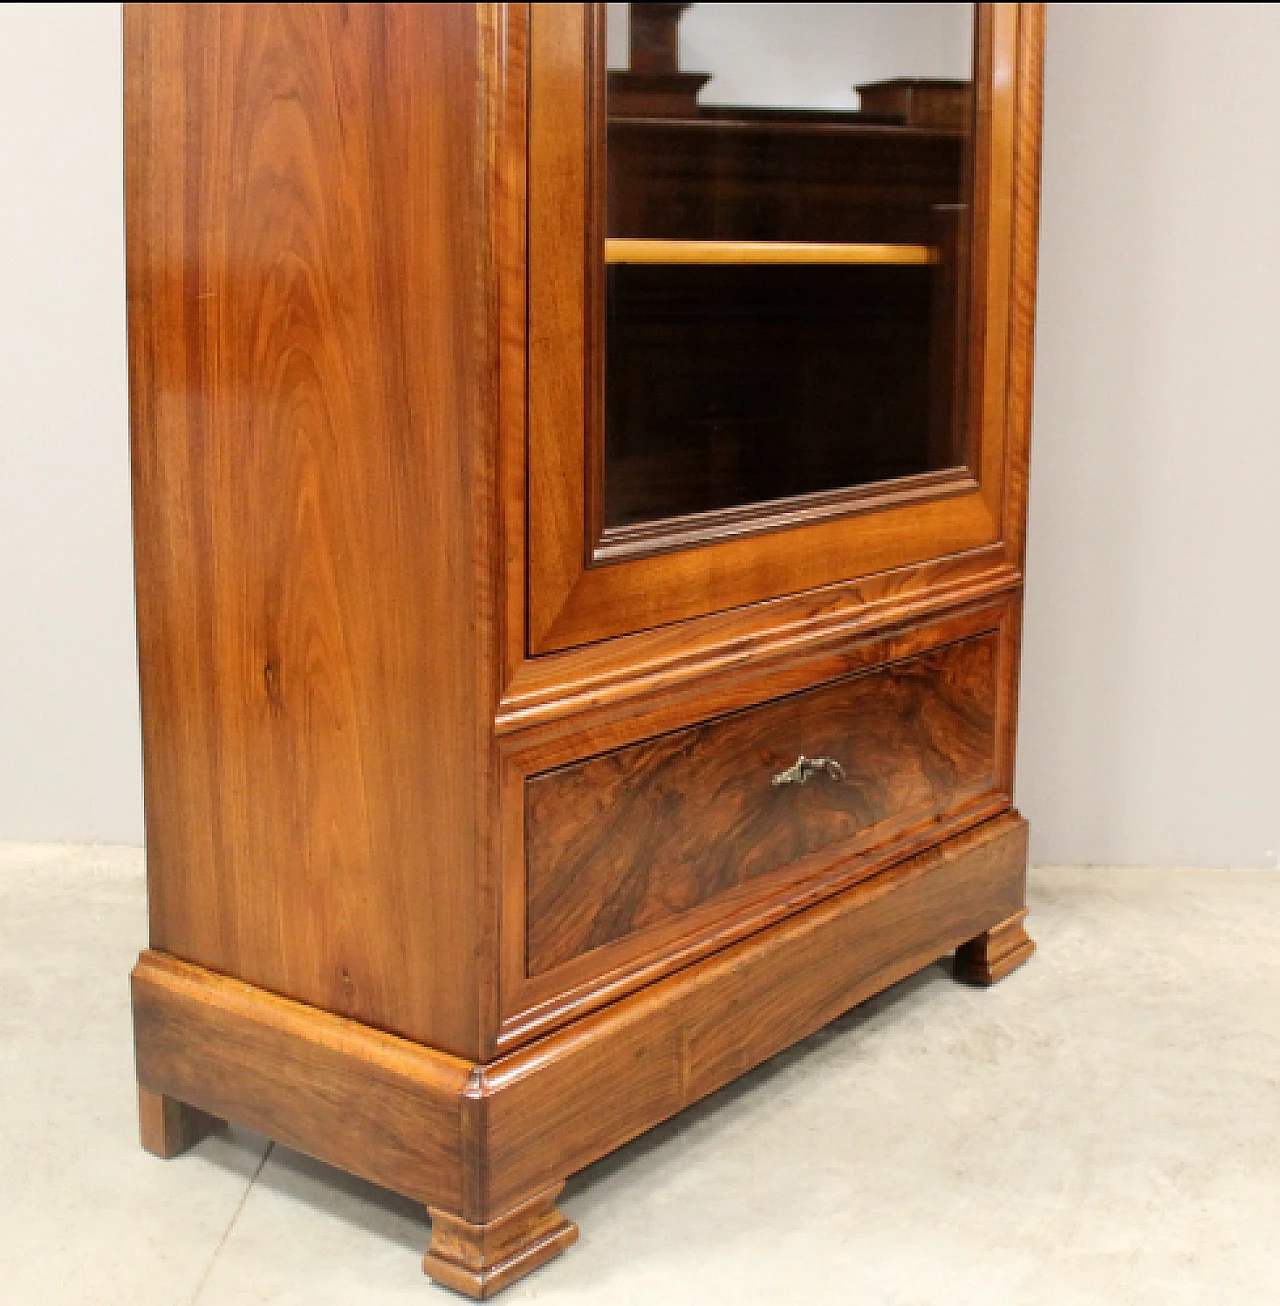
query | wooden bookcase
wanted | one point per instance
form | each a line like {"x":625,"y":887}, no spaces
{"x":487,"y":825}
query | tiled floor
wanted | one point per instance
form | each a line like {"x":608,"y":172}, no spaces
{"x":1103,"y":1127}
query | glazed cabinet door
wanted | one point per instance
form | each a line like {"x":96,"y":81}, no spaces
{"x":768,"y":264}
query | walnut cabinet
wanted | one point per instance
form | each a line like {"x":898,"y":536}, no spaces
{"x":579,"y":538}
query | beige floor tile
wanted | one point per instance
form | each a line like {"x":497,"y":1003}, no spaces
{"x":1103,"y":1127}
{"x":85,"y":1215}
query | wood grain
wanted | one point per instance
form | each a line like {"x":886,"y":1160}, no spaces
{"x":718,"y":648}
{"x":533,"y":1004}
{"x":1026,"y":227}
{"x":478,"y":1143}
{"x":576,"y":1095}
{"x":241,"y":817}
{"x":312,"y":512}
{"x":560,"y":36}
{"x":641,"y":835}
{"x":332,"y":244}
{"x":660,"y":656}
{"x":346,"y":256}
{"x":376,"y":1105}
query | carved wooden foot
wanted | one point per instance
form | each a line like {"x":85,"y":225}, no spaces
{"x":479,"y":1259}
{"x":168,"y":1127}
{"x":991,"y":956}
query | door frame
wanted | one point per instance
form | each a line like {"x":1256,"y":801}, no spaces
{"x":575,"y":599}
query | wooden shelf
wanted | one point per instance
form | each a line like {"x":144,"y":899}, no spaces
{"x":761,"y":251}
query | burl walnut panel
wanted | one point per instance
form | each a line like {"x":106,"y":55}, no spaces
{"x":624,"y":841}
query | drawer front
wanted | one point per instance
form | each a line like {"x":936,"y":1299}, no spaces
{"x":625,"y":843}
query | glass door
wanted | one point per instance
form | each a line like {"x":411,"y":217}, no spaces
{"x":784,"y":252}
{"x":768,"y":265}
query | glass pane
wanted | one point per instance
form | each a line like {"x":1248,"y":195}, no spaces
{"x":787,"y":200}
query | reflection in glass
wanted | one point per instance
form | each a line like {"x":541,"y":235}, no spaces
{"x":786,"y":251}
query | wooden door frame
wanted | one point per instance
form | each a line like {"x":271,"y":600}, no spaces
{"x":538,"y":684}
{"x":571,"y":602}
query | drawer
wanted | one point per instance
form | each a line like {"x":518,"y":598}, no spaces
{"x":705,"y":822}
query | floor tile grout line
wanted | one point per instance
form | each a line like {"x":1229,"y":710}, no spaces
{"x":231,"y":1224}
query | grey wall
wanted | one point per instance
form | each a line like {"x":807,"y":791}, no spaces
{"x":69,"y":752}
{"x":1150,"y":704}
{"x":1151,"y":699}
{"x":811,"y":55}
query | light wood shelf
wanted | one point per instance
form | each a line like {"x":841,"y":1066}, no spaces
{"x":761,"y":251}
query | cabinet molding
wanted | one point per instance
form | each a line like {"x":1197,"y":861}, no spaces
{"x":479,"y":1140}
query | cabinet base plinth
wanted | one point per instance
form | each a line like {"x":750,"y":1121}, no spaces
{"x":486,"y":1146}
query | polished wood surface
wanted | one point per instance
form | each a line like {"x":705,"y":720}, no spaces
{"x":535,"y":1003}
{"x":619,"y":1072}
{"x":381,"y":1107}
{"x":356,"y":279}
{"x":675,"y":654}
{"x":309,"y":521}
{"x":642,"y":835}
{"x":619,"y":250}
{"x":486,"y":1147}
{"x":1022,"y":314}
{"x":675,"y":660}
{"x":995,"y":952}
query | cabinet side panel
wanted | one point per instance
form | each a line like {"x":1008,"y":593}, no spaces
{"x":307,"y":339}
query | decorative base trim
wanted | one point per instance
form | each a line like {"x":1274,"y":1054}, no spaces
{"x":375,"y":1105}
{"x":996,"y":952}
{"x":481,"y":1259}
{"x":487,"y":1147}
